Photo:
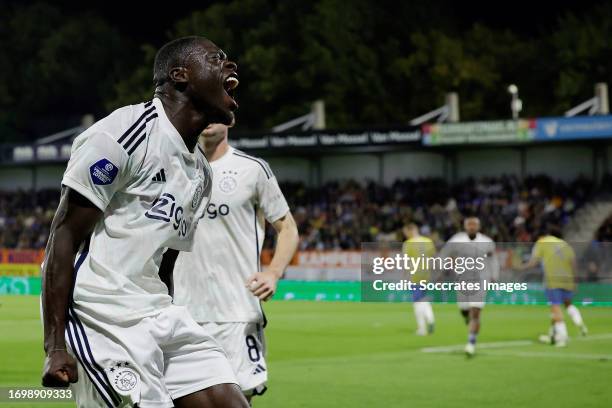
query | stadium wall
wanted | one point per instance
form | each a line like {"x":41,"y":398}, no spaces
{"x":35,"y":177}
{"x":563,"y":162}
{"x":12,"y":179}
{"x":481,"y":163}
{"x":294,"y":169}
{"x":413,"y":165}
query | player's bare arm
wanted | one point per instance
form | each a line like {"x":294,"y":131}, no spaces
{"x":531,"y":263}
{"x":263,"y":284}
{"x":74,"y":221}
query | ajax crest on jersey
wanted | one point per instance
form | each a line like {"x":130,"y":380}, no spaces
{"x":103,"y":172}
{"x":228,"y":182}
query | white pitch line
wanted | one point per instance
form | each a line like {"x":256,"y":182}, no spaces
{"x":544,"y":354}
{"x":589,"y":337}
{"x":516,"y":343}
{"x":459,"y":347}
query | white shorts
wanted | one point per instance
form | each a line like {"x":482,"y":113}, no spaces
{"x":245,"y":346}
{"x":149,"y":362}
{"x":469,"y":305}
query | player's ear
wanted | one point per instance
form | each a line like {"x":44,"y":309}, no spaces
{"x":178,"y":75}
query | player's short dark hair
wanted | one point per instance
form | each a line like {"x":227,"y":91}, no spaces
{"x":412,"y":225}
{"x":553,"y":229}
{"x":172,"y":54}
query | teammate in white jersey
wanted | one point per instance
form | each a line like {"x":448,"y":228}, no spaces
{"x":471,"y":243}
{"x":221,"y":281}
{"x":134,"y":190}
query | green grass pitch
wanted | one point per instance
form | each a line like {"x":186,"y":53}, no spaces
{"x":326,"y":354}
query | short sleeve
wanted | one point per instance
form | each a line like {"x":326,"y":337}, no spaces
{"x":448,"y":250}
{"x":536,"y":253}
{"x":270,"y":197}
{"x":97,"y":168}
{"x":571,"y":252}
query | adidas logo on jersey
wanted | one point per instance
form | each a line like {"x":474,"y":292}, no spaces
{"x":259,"y":369}
{"x":160,"y":177}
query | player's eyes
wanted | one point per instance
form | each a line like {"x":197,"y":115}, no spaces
{"x":218,"y":56}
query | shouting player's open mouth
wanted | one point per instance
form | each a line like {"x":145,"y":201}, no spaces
{"x":230,"y":83}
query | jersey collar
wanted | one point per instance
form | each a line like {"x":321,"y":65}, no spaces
{"x":228,"y":153}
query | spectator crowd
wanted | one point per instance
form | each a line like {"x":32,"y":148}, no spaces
{"x":25,"y":218}
{"x":342,"y":215}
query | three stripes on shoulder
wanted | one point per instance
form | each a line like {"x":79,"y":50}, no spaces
{"x":137,"y":133}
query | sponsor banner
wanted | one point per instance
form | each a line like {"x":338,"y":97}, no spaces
{"x":320,"y":265}
{"x":352,"y":292}
{"x":579,"y":127}
{"x":319,"y":259}
{"x":60,"y":152}
{"x":321,"y":273}
{"x":20,"y":262}
{"x":319,"y":291}
{"x":500,"y":131}
{"x":23,"y":256}
{"x":19,"y":285}
{"x":329,"y":259}
{"x":7,"y":269}
{"x":328,"y":139}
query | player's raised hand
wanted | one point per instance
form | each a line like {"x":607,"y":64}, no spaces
{"x":263,"y":284}
{"x":60,"y":369}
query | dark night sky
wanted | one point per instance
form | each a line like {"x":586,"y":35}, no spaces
{"x":148,"y":21}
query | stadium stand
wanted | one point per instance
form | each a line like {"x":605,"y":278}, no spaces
{"x":25,"y":218}
{"x":341,"y":215}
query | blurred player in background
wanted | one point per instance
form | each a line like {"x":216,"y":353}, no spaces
{"x":471,"y":243}
{"x":418,"y":246}
{"x":559,"y":263}
{"x":221,"y":281}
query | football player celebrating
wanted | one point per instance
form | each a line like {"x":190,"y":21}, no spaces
{"x":133,"y":192}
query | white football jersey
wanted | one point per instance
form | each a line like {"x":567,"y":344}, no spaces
{"x":210,"y":281}
{"x":135,"y":167}
{"x":460,"y":245}
{"x":479,"y":246}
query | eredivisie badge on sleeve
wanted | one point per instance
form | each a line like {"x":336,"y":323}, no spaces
{"x":103,"y":172}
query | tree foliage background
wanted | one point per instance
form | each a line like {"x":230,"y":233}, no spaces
{"x":374,"y":63}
